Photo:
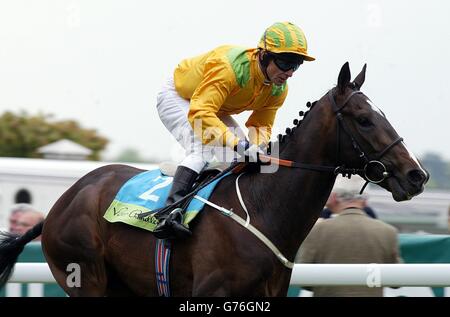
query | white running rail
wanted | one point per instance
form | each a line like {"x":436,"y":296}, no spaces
{"x":372,"y":275}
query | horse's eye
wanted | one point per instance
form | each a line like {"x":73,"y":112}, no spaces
{"x":364,"y":122}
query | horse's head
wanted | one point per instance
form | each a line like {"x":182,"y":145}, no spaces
{"x":368,"y":142}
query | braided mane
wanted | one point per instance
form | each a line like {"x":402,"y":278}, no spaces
{"x":283,"y":139}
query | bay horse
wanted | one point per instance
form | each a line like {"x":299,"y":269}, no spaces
{"x":343,"y":132}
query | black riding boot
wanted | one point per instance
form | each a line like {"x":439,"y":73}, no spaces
{"x":171,"y":225}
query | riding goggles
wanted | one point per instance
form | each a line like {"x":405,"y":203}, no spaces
{"x":285,"y":65}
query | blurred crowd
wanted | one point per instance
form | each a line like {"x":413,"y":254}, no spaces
{"x":23,"y":217}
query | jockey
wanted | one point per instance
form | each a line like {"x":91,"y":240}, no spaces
{"x":195,"y":105}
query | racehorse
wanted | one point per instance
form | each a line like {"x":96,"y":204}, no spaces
{"x":343,"y":132}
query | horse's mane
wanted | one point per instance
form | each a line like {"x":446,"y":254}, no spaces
{"x":283,"y":139}
{"x":282,"y":143}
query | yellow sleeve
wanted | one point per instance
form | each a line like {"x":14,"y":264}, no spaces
{"x":208,"y":97}
{"x":260,"y":122}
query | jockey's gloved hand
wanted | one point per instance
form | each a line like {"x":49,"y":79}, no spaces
{"x":249,"y":152}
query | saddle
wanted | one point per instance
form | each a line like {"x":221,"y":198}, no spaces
{"x":146,"y":192}
{"x":211,"y":170}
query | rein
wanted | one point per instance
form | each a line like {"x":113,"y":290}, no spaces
{"x":340,"y":168}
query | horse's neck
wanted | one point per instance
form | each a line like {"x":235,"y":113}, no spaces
{"x":289,"y":201}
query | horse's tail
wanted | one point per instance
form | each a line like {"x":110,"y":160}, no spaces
{"x":11,"y":246}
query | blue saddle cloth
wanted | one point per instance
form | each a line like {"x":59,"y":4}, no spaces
{"x":146,"y":192}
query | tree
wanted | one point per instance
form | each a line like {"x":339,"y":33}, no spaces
{"x":22,"y":134}
{"x":129,"y":155}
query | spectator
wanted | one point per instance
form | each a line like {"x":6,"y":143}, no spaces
{"x":350,"y":237}
{"x":332,"y":201}
{"x":23,"y":217}
{"x":448,"y":218}
{"x":14,"y":216}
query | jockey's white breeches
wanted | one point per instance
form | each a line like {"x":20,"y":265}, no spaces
{"x":173,"y":111}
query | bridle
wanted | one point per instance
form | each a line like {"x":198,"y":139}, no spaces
{"x":341,"y":168}
{"x":368,"y":163}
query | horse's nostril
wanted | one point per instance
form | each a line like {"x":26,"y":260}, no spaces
{"x":417,"y":177}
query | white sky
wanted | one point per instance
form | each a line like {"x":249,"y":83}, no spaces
{"x":101,"y":62}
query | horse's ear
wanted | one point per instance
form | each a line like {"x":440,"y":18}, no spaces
{"x":344,"y":77}
{"x":359,"y":80}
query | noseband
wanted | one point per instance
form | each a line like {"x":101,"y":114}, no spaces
{"x":341,"y":169}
